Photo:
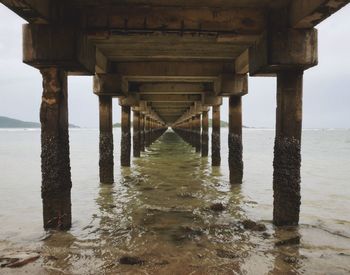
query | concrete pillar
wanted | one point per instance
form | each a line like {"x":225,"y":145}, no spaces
{"x":106,"y":140}
{"x":150,"y":131}
{"x":287,"y":158}
{"x":55,"y":162}
{"x":215,"y":137}
{"x":136,"y":134}
{"x":147,"y":130}
{"x":193,"y":131}
{"x":198,"y":133}
{"x":126,"y":137}
{"x":142,"y":132}
{"x":235,"y":159}
{"x":205,"y":136}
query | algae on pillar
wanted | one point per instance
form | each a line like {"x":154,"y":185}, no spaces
{"x":55,"y":161}
{"x":235,"y":140}
{"x":205,"y":136}
{"x":215,"y":137}
{"x":126,"y":137}
{"x":198,"y":133}
{"x":136,"y":134}
{"x":287,"y":156}
{"x":106,"y":162}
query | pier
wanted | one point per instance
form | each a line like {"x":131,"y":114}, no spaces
{"x":170,"y":64}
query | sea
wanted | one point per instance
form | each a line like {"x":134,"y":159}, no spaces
{"x":157,"y":218}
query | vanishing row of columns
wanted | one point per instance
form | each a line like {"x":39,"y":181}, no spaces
{"x":287,"y":154}
{"x":194,"y":130}
{"x":146,"y":130}
{"x":56,"y":174}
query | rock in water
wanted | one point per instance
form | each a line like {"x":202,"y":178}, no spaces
{"x":18,"y":262}
{"x":291,"y":241}
{"x":218,"y":207}
{"x":251,"y":225}
{"x":131,"y":260}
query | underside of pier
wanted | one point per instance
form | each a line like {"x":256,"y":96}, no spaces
{"x":169,"y":62}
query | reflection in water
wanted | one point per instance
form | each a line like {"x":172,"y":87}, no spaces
{"x":160,"y":211}
{"x":287,"y":257}
{"x":172,"y":213}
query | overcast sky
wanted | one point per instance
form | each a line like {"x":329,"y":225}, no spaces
{"x":326,"y":87}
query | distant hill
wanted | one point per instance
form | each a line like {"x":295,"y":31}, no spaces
{"x":117,"y":125}
{"x":222,"y":123}
{"x":6,"y":122}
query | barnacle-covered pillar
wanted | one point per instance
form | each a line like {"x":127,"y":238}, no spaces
{"x":205,"y":136}
{"x":126,"y":137}
{"x":215,"y":137}
{"x":106,"y":162}
{"x":235,"y":140}
{"x":136,"y":133}
{"x":55,"y":163}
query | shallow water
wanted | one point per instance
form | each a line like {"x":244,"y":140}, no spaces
{"x":159,"y":209}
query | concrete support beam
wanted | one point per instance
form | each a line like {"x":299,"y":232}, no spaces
{"x":235,"y":140}
{"x":36,"y":12}
{"x":170,"y":97}
{"x":287,"y":157}
{"x":136,"y":134}
{"x":215,"y":137}
{"x":173,"y":69}
{"x":283,"y":49}
{"x":108,"y":84}
{"x":102,"y":63}
{"x":55,"y":161}
{"x":176,"y":19}
{"x":242,"y":63}
{"x":210,"y":100}
{"x":308,"y":13}
{"x":106,"y":140}
{"x":234,"y":85}
{"x":205,"y":136}
{"x":126,"y":137}
{"x":48,"y":45}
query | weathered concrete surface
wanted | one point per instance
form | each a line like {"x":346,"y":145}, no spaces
{"x":147,"y":131}
{"x":235,"y":140}
{"x":106,"y":158}
{"x":283,"y":49}
{"x":126,"y":137}
{"x":198,"y":133}
{"x":205,"y":136}
{"x":215,"y":137}
{"x":136,"y":134}
{"x":55,"y":162}
{"x":46,"y":45}
{"x":142,"y":132}
{"x":287,"y":157}
{"x":106,"y":140}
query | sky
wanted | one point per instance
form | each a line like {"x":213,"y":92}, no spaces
{"x":326,"y":102}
